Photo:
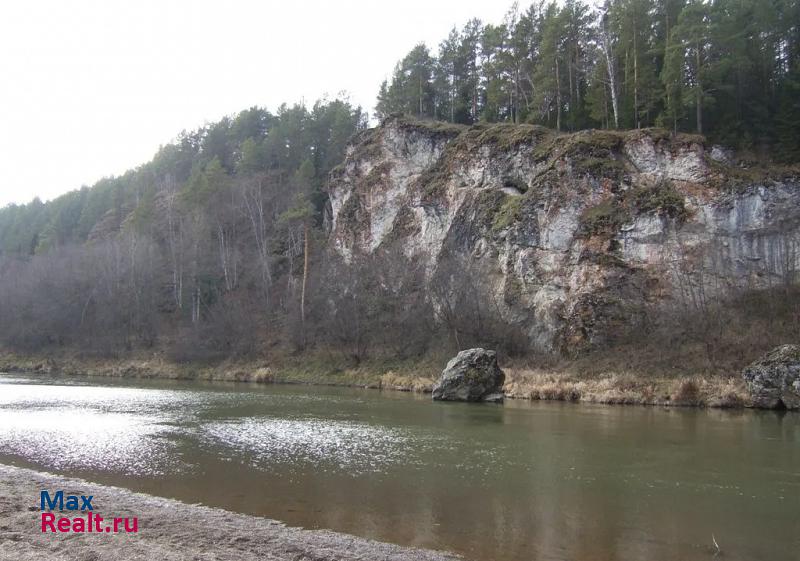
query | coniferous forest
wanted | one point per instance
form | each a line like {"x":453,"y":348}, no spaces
{"x":216,"y":247}
{"x":595,"y":202}
{"x":729,"y":69}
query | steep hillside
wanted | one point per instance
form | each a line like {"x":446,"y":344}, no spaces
{"x":575,"y":236}
{"x":591,"y":253}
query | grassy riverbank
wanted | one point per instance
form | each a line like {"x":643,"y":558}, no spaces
{"x":566,"y":381}
{"x":320,"y":369}
{"x":167,"y":530}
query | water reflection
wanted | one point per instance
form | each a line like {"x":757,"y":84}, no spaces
{"x":352,"y":447}
{"x":513,"y":482}
{"x":78,"y":439}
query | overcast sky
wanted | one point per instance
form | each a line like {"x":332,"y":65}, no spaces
{"x":91,"y":88}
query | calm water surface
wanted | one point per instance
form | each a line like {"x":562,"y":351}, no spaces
{"x":523,"y":481}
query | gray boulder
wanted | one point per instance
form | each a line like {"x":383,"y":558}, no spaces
{"x":473,"y":375}
{"x":774,"y":379}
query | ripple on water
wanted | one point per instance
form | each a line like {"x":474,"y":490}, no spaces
{"x":79,"y":439}
{"x":100,"y":398}
{"x":354,"y":447}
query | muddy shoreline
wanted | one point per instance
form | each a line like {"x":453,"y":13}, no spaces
{"x":167,"y":529}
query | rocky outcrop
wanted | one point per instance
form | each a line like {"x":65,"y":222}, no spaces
{"x":572,"y":235}
{"x":774,"y":379}
{"x":472,"y":375}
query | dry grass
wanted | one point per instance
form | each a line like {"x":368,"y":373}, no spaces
{"x":557,"y":381}
{"x":320,"y":369}
{"x":625,"y":388}
{"x":686,"y":392}
{"x":406,"y":382}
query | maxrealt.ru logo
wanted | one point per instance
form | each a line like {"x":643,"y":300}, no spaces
{"x":91,"y":523}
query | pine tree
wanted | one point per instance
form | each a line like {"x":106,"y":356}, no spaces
{"x":446,"y":78}
{"x":524,"y":46}
{"x":468,"y":68}
{"x":550,"y":70}
{"x":576,"y":20}
{"x":726,"y":68}
{"x":666,"y":17}
{"x":495,"y":71}
{"x":384,"y":106}
{"x":689,"y":58}
{"x":641,"y":88}
{"x":607,"y":53}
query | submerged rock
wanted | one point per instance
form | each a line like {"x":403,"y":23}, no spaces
{"x":774,"y":379}
{"x":473,"y":375}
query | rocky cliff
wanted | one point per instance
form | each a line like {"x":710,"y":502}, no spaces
{"x":575,"y":234}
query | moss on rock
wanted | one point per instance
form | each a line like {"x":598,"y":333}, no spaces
{"x":662,"y":198}
{"x":508,"y":213}
{"x":604,"y":218}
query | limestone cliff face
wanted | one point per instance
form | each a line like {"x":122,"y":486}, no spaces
{"x":575,"y":234}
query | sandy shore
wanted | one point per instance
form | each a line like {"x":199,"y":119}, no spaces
{"x":167,"y":530}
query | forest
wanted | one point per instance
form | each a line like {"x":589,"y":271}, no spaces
{"x":216,"y":248}
{"x":729,"y":69}
{"x":200,"y":246}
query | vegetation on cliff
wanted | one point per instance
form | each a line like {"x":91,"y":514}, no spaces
{"x":200,"y":255}
{"x":729,"y":69}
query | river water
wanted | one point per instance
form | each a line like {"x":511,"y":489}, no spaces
{"x":520,"y":481}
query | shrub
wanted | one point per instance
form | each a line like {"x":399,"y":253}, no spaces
{"x":687,"y":392}
{"x":508,"y":213}
{"x":663,"y":199}
{"x":603,"y":218}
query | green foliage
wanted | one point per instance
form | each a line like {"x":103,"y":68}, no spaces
{"x":206,"y":183}
{"x":300,"y":211}
{"x":787,"y":147}
{"x":662,"y":199}
{"x":143,"y":216}
{"x":411,"y":89}
{"x":607,"y":217}
{"x":689,"y":63}
{"x":253,"y":159}
{"x":726,"y":69}
{"x":640,"y":88}
{"x":496,"y":210}
{"x":299,"y":144}
{"x":509,"y":213}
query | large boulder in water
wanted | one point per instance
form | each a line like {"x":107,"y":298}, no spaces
{"x":774,"y":379}
{"x":473,"y":375}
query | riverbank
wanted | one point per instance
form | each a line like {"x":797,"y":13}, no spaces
{"x":563,"y":382}
{"x":167,"y":530}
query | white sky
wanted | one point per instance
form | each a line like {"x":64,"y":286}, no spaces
{"x":91,"y":88}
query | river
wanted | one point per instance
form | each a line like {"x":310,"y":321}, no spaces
{"x":520,"y":481}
